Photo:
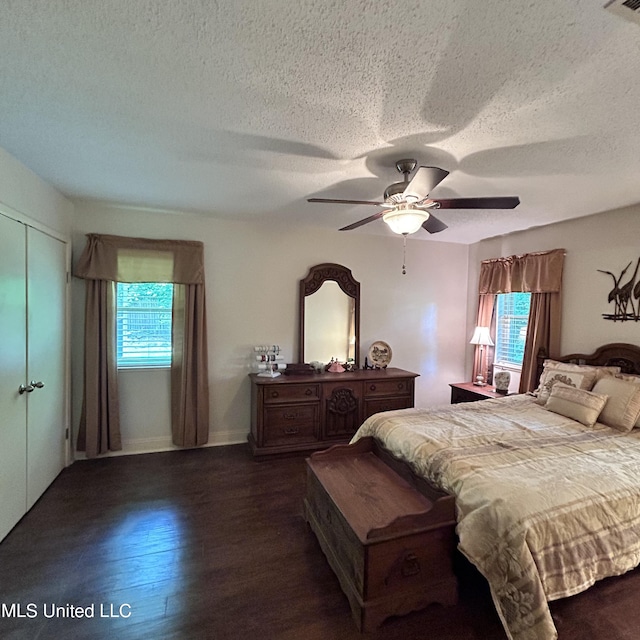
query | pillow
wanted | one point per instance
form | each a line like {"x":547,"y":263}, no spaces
{"x":622,"y":411}
{"x":629,"y":377}
{"x":602,"y":372}
{"x":578,"y":404}
{"x":570,"y":366}
{"x":573,"y":375}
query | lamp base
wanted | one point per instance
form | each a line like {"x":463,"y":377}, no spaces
{"x":479,"y":381}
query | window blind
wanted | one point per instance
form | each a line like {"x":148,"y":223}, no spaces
{"x":143,"y":316}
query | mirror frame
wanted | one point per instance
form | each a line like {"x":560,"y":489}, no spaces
{"x":317,"y":276}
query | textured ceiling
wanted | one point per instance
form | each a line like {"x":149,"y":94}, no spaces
{"x":243,"y":109}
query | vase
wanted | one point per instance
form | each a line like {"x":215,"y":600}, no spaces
{"x":501,"y":380}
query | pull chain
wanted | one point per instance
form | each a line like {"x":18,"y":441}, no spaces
{"x":404,"y":254}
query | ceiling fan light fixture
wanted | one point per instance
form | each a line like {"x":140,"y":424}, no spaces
{"x":405,"y":221}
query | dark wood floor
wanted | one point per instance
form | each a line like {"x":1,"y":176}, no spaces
{"x":210,"y":544}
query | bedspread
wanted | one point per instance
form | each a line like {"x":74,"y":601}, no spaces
{"x":545,"y":505}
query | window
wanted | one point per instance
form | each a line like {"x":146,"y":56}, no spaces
{"x":512,"y":318}
{"x":143,"y":315}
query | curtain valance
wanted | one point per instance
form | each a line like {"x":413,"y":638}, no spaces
{"x":123,"y":259}
{"x":539,"y":272}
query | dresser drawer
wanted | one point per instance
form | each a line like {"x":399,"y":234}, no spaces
{"x":290,"y":424}
{"x":388,"y":387}
{"x":291,"y":393}
{"x":386,"y":404}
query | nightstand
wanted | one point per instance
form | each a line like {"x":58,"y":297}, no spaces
{"x":469,"y":392}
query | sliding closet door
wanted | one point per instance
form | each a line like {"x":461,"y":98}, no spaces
{"x":13,"y":373}
{"x":46,"y":297}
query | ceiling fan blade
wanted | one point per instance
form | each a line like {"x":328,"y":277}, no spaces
{"x":424,"y":181}
{"x":377,"y":204}
{"x":504,"y":202}
{"x":433,"y":225}
{"x":355,"y":225}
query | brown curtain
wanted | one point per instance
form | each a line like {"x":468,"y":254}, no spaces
{"x":189,"y":367}
{"x":532,"y":272}
{"x":543,"y":331}
{"x":541,"y":275}
{"x":109,"y":259}
{"x":99,"y":430}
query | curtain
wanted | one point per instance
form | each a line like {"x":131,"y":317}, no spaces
{"x":189,"y":373}
{"x":543,"y":331}
{"x":539,"y":274}
{"x":108,"y":259}
{"x":99,"y":429}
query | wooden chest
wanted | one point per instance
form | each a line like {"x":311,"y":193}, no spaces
{"x":390,"y":542}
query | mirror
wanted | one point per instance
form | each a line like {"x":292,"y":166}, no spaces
{"x":329,"y":315}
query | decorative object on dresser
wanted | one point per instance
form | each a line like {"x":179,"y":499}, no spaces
{"x":481,"y":337}
{"x":390,"y":542}
{"x":335,"y":367}
{"x":501,"y":380}
{"x":269,"y":361}
{"x":380,"y":354}
{"x":302,"y":413}
{"x":471,"y":392}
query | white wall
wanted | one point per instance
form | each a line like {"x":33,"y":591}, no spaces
{"x":607,"y":241}
{"x":252,"y":274}
{"x":27,"y":195}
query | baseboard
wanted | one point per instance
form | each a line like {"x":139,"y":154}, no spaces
{"x":137,"y":446}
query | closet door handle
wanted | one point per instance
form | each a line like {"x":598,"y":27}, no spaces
{"x":37,"y":385}
{"x":25,"y":387}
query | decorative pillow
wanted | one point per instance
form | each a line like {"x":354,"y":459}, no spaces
{"x":573,"y":375}
{"x":623,"y":408}
{"x":602,"y":372}
{"x":629,"y":377}
{"x":633,"y":380}
{"x":578,"y":404}
{"x":570,"y":366}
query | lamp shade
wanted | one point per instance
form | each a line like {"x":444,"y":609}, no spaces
{"x":405,"y":221}
{"x":481,"y":336}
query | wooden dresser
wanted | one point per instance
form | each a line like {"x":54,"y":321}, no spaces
{"x":390,"y":542}
{"x":313,"y":411}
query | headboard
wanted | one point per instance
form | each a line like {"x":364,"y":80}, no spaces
{"x":616,"y":354}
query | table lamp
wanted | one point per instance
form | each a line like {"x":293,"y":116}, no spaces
{"x":481,"y":337}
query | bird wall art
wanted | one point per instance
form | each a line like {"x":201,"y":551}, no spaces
{"x":625,"y":297}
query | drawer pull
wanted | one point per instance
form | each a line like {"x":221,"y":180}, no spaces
{"x":292,"y":431}
{"x":274,"y":394}
{"x":289,"y":416}
{"x":401,"y":385}
{"x":410,"y":566}
{"x":308,"y":392}
{"x":406,"y":566}
{"x":372,"y":387}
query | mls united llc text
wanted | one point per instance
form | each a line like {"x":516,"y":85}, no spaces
{"x":50,"y":610}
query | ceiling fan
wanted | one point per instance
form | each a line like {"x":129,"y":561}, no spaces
{"x":408,"y":206}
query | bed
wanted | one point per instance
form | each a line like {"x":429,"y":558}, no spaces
{"x":548,"y":501}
